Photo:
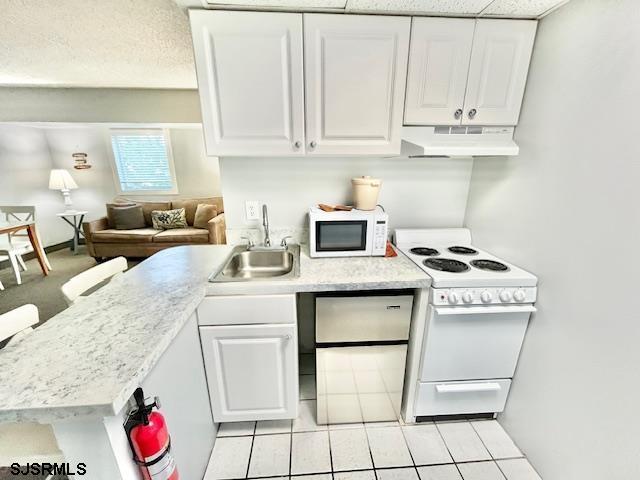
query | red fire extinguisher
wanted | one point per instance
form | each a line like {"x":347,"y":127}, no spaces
{"x":150,"y":441}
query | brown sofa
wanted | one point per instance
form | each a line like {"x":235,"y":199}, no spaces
{"x":104,"y":241}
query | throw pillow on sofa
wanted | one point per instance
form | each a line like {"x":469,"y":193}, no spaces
{"x":204,"y":213}
{"x":168,"y":219}
{"x":127,"y":217}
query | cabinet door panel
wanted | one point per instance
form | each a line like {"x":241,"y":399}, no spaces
{"x":498,"y":71}
{"x":438,"y":67}
{"x":249,"y":68}
{"x":355,"y":68}
{"x":251,"y":371}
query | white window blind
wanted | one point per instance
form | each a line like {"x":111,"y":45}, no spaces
{"x":143,"y":161}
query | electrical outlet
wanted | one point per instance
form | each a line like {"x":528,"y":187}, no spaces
{"x":252,"y":209}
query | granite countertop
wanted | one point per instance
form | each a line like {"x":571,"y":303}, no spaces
{"x":88,"y":360}
{"x":335,"y":274}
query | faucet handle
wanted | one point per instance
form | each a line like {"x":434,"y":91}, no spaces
{"x":250,"y":243}
{"x":283,"y":242}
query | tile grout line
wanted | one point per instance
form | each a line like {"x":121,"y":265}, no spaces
{"x":483,"y":443}
{"x":253,"y":437}
{"x":522,"y":455}
{"x":448,"y":450}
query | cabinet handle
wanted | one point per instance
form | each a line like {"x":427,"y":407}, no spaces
{"x":312,"y":144}
{"x":468,"y":387}
{"x":287,"y":336}
{"x":297,"y":144}
{"x":472,"y":113}
{"x":457,"y":114}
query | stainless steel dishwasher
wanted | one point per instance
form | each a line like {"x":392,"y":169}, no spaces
{"x":361,"y":349}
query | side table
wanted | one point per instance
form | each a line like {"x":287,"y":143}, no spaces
{"x":74,"y":218}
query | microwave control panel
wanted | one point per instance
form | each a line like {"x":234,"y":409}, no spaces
{"x":379,"y":237}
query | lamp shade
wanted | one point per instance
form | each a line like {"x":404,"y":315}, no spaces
{"x":61,"y":179}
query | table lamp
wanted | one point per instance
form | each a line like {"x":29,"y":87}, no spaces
{"x":62,"y":180}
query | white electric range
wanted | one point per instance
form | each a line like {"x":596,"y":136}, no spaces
{"x":477,"y":317}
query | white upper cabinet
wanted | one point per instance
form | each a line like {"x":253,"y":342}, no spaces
{"x":250,"y":81}
{"x":355,"y":75}
{"x":498,"y":71}
{"x":467,"y":72}
{"x":438,"y":67}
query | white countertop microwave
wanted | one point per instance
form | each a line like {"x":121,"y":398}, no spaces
{"x":357,"y":233}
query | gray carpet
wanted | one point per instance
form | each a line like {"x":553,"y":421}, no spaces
{"x":44,"y":292}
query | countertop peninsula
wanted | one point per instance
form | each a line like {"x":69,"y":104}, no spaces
{"x":88,"y":359}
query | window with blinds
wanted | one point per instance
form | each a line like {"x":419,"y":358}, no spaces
{"x":143,"y":162}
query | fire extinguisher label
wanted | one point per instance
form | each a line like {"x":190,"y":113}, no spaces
{"x":162,"y":465}
{"x":165,"y":469}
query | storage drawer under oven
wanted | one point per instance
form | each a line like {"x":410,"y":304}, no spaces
{"x":456,"y":398}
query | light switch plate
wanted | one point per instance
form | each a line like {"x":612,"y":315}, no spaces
{"x":252,"y":209}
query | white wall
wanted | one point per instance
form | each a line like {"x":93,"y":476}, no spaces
{"x":567,"y":209}
{"x":115,"y":105}
{"x":420,"y":192}
{"x":27,"y":155}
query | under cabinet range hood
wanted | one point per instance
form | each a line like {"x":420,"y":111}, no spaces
{"x":458,"y":141}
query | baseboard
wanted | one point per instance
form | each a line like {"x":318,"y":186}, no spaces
{"x":49,"y":249}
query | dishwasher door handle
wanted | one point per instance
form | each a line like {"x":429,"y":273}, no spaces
{"x":468,"y":387}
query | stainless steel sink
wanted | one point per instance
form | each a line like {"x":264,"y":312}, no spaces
{"x":258,"y":264}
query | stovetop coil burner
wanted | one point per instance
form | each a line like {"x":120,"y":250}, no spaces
{"x":446,"y":265}
{"x":491,"y":265}
{"x":425,"y":251}
{"x":462,"y":250}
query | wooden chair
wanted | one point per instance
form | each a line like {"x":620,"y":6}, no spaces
{"x":24,"y":442}
{"x":17,"y":244}
{"x":74,"y":288}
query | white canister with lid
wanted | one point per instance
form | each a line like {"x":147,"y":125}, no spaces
{"x":365,"y":192}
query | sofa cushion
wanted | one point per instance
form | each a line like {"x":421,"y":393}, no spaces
{"x":183,"y":235}
{"x":169,"y":219}
{"x":128,"y":217}
{"x":147,"y":207}
{"x":191,"y":204}
{"x":111,"y":235}
{"x":204,"y":213}
{"x":110,"y":211}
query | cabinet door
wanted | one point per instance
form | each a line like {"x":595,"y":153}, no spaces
{"x":498,"y":71}
{"x":251,"y":371}
{"x":355,"y":72}
{"x":438,"y":66}
{"x":249,"y":68}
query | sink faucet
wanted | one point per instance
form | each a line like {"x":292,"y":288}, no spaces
{"x":265,"y":224}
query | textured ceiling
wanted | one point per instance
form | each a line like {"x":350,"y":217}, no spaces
{"x":91,"y":43}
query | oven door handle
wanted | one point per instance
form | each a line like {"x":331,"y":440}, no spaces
{"x":468,"y":387}
{"x":488,"y":309}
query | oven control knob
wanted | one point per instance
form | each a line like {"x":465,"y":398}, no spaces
{"x":519,"y":295}
{"x":453,"y":298}
{"x":467,"y":297}
{"x":505,"y":296}
{"x":485,"y":297}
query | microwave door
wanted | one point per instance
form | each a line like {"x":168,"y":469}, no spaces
{"x":341,"y":236}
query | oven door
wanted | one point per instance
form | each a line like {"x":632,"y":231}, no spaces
{"x":337,"y":238}
{"x":469,"y":343}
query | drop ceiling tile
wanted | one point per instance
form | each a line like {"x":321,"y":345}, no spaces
{"x":521,"y":8}
{"x":282,"y":3}
{"x":468,"y":7}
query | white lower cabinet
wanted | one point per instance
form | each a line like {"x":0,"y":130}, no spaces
{"x":252,"y":368}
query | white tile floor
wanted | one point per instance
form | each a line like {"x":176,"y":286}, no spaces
{"x":301,"y":449}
